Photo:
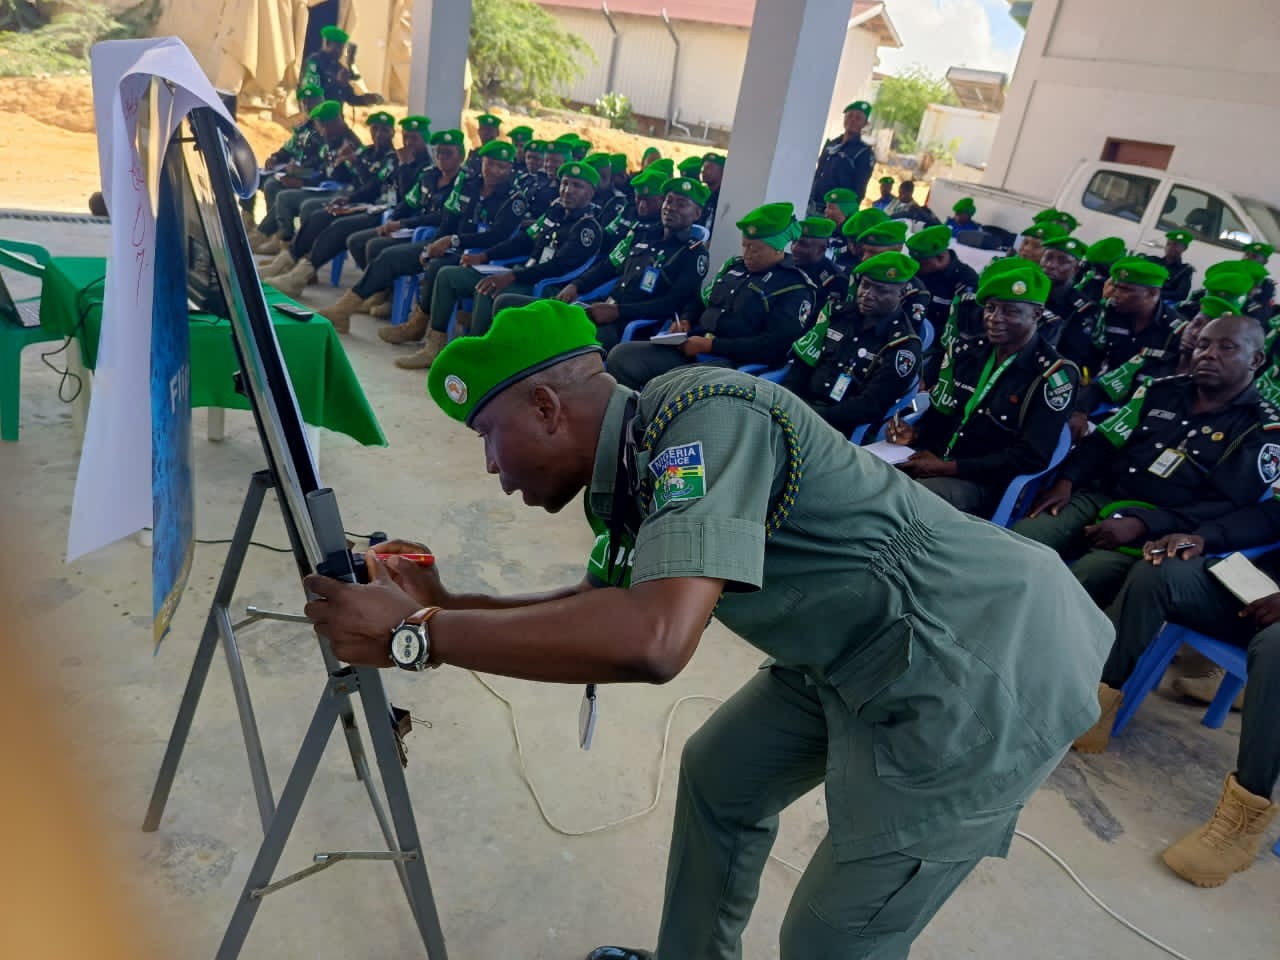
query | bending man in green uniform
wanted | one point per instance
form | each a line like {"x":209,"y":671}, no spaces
{"x":931,"y":713}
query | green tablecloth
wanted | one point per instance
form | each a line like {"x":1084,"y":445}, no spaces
{"x":328,"y":392}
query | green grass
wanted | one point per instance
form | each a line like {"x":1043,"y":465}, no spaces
{"x":61,"y":45}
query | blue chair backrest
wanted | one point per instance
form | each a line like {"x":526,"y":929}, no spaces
{"x":927,"y":334}
{"x":1018,"y":495}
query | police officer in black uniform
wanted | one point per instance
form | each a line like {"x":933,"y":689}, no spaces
{"x":1000,"y":404}
{"x":1134,"y":319}
{"x":889,"y":236}
{"x":809,"y":253}
{"x":488,"y":126}
{"x":845,"y":161}
{"x":862,"y":356}
{"x":1178,"y":287}
{"x":944,"y":277}
{"x":758,"y":306}
{"x":1262,"y":299}
{"x":1070,"y":318}
{"x":1095,"y":268}
{"x":1184,"y":452}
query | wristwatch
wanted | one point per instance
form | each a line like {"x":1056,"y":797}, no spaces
{"x":411,"y":643}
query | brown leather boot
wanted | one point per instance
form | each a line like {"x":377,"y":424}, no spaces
{"x":377,"y":300}
{"x":381,"y":312}
{"x":264,"y":244}
{"x":1096,"y":738}
{"x":422,"y":359}
{"x":1203,"y":683}
{"x":413,"y":329}
{"x":279,"y":266}
{"x":292,"y":284}
{"x":1228,"y":843}
{"x":340,"y":313}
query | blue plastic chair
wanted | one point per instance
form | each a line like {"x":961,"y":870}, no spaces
{"x":1021,"y":491}
{"x":776,"y":376}
{"x":927,"y":334}
{"x":540,"y":288}
{"x":599,"y":293}
{"x":641,"y":329}
{"x":340,"y":261}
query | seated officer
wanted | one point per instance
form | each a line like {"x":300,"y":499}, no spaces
{"x":712,"y":174}
{"x":1175,"y":585}
{"x":660,"y":266}
{"x":848,"y":251}
{"x":1095,"y":271}
{"x":299,"y":153}
{"x":1230,"y":279}
{"x":1032,"y":245}
{"x":563,"y":238}
{"x":886,"y":194}
{"x":942,"y":273}
{"x":961,"y":219}
{"x":1058,"y":218}
{"x":1000,"y":404}
{"x":809,"y":252}
{"x":1178,"y":287}
{"x":840,"y":204}
{"x":758,"y":306}
{"x":488,"y":127}
{"x":1262,"y":298}
{"x":889,"y":236}
{"x":861,"y":356}
{"x":1066,"y":309}
{"x":1183,"y":452}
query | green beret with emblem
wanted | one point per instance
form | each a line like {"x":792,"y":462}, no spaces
{"x":334,"y":34}
{"x":1003,"y":265}
{"x":1179,"y":236}
{"x":418,"y":124}
{"x":1233,"y":278}
{"x":1105,"y":252}
{"x":536,"y":146}
{"x":329,"y":110}
{"x":380,"y":119}
{"x":520,"y":134}
{"x":690,"y":166}
{"x":1025,"y":283}
{"x":649,"y":183}
{"x":489,"y":120}
{"x":310,"y":91}
{"x":886,"y":233}
{"x":1072,"y":246}
{"x":452,"y":137}
{"x":965,"y":205}
{"x":1045,"y":231}
{"x":1052,"y":215}
{"x":1264,"y":249}
{"x":860,"y":221}
{"x":1047,"y":215}
{"x":579,"y":171}
{"x":888,"y":267}
{"x":859,"y":105}
{"x":1215,"y":307}
{"x":499,"y":150}
{"x":929,"y":242}
{"x":818,"y":227}
{"x":844,"y":198}
{"x":773,"y":224}
{"x":1139,"y":271}
{"x":888,"y":180}
{"x":619,"y":162}
{"x":663,"y":165}
{"x":713,"y":157}
{"x":522,"y":341}
{"x":690,"y":187}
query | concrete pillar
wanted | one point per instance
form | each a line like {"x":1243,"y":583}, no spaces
{"x":792,"y":59}
{"x":441,"y":34}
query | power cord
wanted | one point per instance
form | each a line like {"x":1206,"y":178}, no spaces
{"x":657,"y":797}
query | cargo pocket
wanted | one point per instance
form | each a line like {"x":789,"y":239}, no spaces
{"x":921,"y":721}
{"x":913,"y":904}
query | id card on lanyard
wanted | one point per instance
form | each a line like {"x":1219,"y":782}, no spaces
{"x":990,"y":374}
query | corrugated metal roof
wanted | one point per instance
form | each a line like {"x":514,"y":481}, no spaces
{"x":730,"y":13}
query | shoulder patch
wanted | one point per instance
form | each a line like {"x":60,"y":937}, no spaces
{"x":587,"y":236}
{"x":1269,"y":463}
{"x":518,"y":206}
{"x":904,"y":361}
{"x":1058,"y":389}
{"x":679,"y":474}
{"x":703,"y":264}
{"x":806,"y":308}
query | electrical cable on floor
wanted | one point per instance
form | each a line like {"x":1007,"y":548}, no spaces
{"x":657,"y":798}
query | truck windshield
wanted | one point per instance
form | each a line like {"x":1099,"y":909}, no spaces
{"x":1266,"y":217}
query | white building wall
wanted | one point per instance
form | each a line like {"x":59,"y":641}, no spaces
{"x":853,"y":79}
{"x":974,"y":131}
{"x":1203,"y":79}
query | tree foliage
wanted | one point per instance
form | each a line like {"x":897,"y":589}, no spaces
{"x":37,"y":36}
{"x":520,"y":54}
{"x":902,"y":99}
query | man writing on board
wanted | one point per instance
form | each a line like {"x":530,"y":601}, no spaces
{"x":930,"y":697}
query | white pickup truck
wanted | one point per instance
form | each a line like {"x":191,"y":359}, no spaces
{"x":1138,"y":204}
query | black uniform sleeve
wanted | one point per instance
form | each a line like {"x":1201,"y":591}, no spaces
{"x":432,"y":219}
{"x":783,"y":327}
{"x":1031,"y":448}
{"x":1180,"y":289}
{"x":934,"y":430}
{"x":1086,"y":463}
{"x":581,"y":244}
{"x":684,"y":277}
{"x":517,"y":246}
{"x":1253,"y":526}
{"x":860,"y":170}
{"x":883,"y":388}
{"x":504,"y":226}
{"x":600,"y":272}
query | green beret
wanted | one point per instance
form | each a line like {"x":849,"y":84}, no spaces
{"x":454,"y":137}
{"x":929,"y":242}
{"x":690,"y":166}
{"x":581,"y":149}
{"x":568,"y":139}
{"x":1265,"y":249}
{"x":1179,"y":236}
{"x":648,"y":183}
{"x":859,"y":105}
{"x":488,"y":120}
{"x":601,"y":161}
{"x":965,"y":205}
{"x":1139,"y":271}
{"x":619,"y":161}
{"x":1045,"y":231}
{"x":520,"y":134}
{"x":1027,"y":284}
{"x":861,"y":220}
{"x":329,"y":110}
{"x":522,"y":341}
{"x":499,"y":150}
{"x":663,"y":165}
{"x":1052,"y":215}
{"x":1105,"y":252}
{"x":888,"y":267}
{"x":418,"y":124}
{"x":381,"y":118}
{"x":649,"y":150}
{"x":334,"y":34}
{"x":774,"y":224}
{"x":1069,"y":245}
{"x":886,"y":180}
{"x":1003,"y":265}
{"x":579,"y":171}
{"x":844,"y":198}
{"x":1232,"y":278}
{"x":1215,"y":307}
{"x":717,"y":158}
{"x":1047,"y":215}
{"x":309,"y":91}
{"x":886,"y":233}
{"x":694,"y":189}
{"x":536,"y":146}
{"x":818,"y":227}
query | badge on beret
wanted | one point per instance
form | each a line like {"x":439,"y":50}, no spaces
{"x":456,"y":389}
{"x":575,"y":170}
{"x":752,"y":230}
{"x":904,"y":362}
{"x":1124,"y":274}
{"x":1018,"y":288}
{"x":1269,"y":462}
{"x":686,"y":186}
{"x":891,"y":273}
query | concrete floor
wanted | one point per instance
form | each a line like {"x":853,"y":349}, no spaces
{"x":507,"y":886}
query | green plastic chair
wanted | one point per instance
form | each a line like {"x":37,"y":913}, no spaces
{"x":14,"y":338}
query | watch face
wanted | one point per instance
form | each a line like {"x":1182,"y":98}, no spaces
{"x":406,"y":646}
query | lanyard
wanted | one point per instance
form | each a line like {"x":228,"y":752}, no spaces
{"x":625,"y":488}
{"x":985,"y":383}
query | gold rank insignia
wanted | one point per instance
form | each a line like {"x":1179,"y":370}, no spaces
{"x":1218,"y":435}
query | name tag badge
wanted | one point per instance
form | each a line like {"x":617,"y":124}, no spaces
{"x":840,"y":386}
{"x":1168,"y":461}
{"x":650,"y":279}
{"x":548,"y":252}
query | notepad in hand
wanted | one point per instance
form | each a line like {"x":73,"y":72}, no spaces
{"x":891,"y":453}
{"x":1243,"y":579}
{"x":670,"y":339}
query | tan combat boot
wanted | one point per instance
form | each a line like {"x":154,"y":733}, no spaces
{"x":340,"y":313}
{"x":250,"y":224}
{"x":1203,"y":685}
{"x":292,"y":284}
{"x":1096,"y":738}
{"x":1228,"y":843}
{"x":381,"y":312}
{"x":267,"y":245}
{"x":412,"y":329}
{"x":377,"y":300}
{"x":279,"y":266}
{"x":422,"y":359}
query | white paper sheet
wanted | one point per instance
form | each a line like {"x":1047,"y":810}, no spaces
{"x":1238,"y":574}
{"x":113,"y":495}
{"x":891,"y":453}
